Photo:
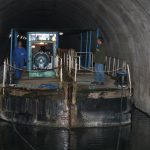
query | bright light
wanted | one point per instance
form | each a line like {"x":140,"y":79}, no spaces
{"x":54,"y":38}
{"x":33,"y":46}
{"x":61,"y":33}
{"x":9,"y":35}
{"x":41,"y":43}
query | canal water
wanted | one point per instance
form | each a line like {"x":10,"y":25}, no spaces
{"x":132,"y":137}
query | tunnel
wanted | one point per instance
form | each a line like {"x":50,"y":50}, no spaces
{"x":124,"y":25}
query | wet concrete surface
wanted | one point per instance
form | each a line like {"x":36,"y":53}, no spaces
{"x":133,"y":137}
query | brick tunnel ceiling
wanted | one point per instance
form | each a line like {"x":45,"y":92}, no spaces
{"x":125,"y":22}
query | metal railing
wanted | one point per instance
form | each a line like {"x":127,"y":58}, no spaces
{"x":71,"y":60}
{"x":113,"y":65}
{"x":81,"y":56}
{"x":7,"y":71}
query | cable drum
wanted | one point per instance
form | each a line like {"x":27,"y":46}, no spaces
{"x":41,"y":60}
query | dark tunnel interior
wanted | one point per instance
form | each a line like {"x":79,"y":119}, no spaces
{"x":124,"y":25}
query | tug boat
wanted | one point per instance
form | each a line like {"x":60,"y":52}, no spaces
{"x":56,"y":91}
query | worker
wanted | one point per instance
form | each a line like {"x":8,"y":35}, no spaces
{"x":20,"y":58}
{"x":99,"y":57}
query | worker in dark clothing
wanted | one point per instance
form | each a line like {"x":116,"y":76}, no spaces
{"x":20,"y":58}
{"x":99,"y":56}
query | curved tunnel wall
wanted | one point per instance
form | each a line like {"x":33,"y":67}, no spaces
{"x":124,"y":22}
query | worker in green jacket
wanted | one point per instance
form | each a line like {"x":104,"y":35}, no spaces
{"x":99,"y":57}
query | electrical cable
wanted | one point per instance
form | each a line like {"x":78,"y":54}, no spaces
{"x":21,"y":136}
{"x":120,"y":124}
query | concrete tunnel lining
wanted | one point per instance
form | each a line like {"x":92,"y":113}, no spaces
{"x":126,"y":24}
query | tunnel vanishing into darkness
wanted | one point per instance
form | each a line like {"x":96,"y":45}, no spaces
{"x":125,"y":26}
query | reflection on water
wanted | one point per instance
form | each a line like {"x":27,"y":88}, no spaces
{"x":136,"y":137}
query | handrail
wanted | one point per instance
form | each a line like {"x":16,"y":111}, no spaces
{"x":58,"y":68}
{"x":72,"y":61}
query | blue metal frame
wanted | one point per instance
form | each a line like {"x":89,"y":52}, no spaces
{"x":90,"y":46}
{"x":87,"y":43}
{"x":97,"y":32}
{"x":28,"y":66}
{"x":81,"y":46}
{"x":11,"y":47}
{"x":15,"y":39}
{"x":45,"y":73}
{"x":57,"y":39}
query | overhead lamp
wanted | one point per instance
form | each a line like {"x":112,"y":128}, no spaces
{"x":61,"y":33}
{"x":41,"y":43}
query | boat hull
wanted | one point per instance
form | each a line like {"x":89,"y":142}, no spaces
{"x":54,"y":110}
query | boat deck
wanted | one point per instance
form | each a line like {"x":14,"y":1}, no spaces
{"x":84,"y":83}
{"x":97,"y":91}
{"x":87,"y":79}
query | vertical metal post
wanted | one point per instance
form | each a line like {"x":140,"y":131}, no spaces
{"x":61,"y":73}
{"x":69,"y":63}
{"x":81,"y":46}
{"x":92,"y":61}
{"x":4,"y":76}
{"x":114,"y":63}
{"x":130,"y":83}
{"x":15,"y":39}
{"x":56,"y":64}
{"x":57,"y":40}
{"x":28,"y":52}
{"x":109,"y":65}
{"x":115,"y":68}
{"x":106,"y":63}
{"x":97,"y":32}
{"x":11,"y":47}
{"x":87,"y":42}
{"x":118,"y":64}
{"x":79,"y":63}
{"x":90,"y":46}
{"x":75,"y":77}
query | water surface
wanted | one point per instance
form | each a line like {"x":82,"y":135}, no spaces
{"x":132,"y":137}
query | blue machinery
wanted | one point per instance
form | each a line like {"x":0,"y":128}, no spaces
{"x":41,"y":49}
{"x":88,"y":47}
{"x":35,"y":40}
{"x":13,"y":43}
